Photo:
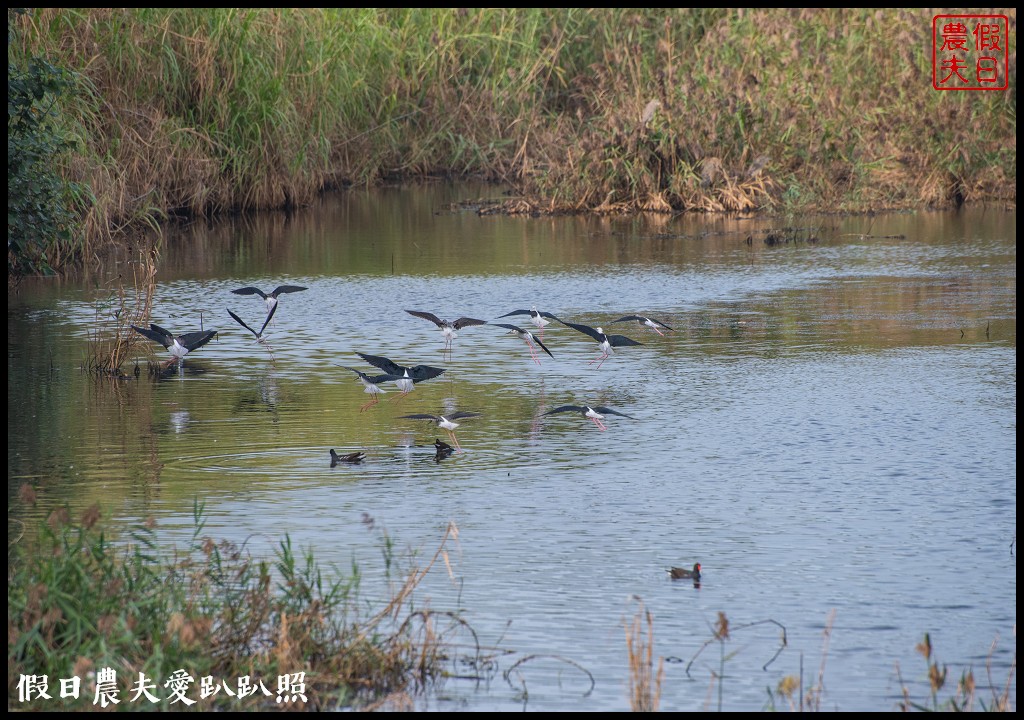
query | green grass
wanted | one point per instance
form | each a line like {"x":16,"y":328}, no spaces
{"x":200,"y":111}
{"x":79,"y":603}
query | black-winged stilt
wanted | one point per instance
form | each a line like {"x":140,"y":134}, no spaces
{"x":354,"y":457}
{"x":179,"y":345}
{"x":605,"y":342}
{"x":260,"y":337}
{"x":528,"y":337}
{"x":649,"y":322}
{"x":448,"y":327}
{"x":372,"y":384}
{"x":271,"y":298}
{"x":539,"y":319}
{"x":407,"y":376}
{"x":594,"y":413}
{"x":445,"y":422}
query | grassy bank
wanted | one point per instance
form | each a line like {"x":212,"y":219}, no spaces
{"x":199,"y":111}
{"x":80,"y":606}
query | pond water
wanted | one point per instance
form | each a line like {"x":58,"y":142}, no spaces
{"x":829,"y":429}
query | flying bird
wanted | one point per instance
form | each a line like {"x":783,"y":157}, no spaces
{"x":594,"y":413}
{"x":649,"y":322}
{"x":605,"y":342}
{"x":538,"y":318}
{"x":448,"y":327}
{"x":406,"y":376}
{"x":372,"y":384}
{"x":354,"y":457}
{"x":271,"y":299}
{"x":179,"y":345}
{"x":260,"y":337}
{"x":445,"y":422}
{"x":528,"y":337}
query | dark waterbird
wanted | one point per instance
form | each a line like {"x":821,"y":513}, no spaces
{"x":605,"y":342}
{"x":442,"y":450}
{"x":179,"y":345}
{"x":646,"y":321}
{"x":594,"y":413}
{"x":684,"y":574}
{"x":445,"y":422}
{"x":528,"y":337}
{"x":271,"y":299}
{"x":352,"y":458}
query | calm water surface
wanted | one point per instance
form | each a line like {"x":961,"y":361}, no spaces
{"x":830,"y":429}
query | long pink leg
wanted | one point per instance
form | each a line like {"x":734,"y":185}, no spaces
{"x":599,"y":424}
{"x":455,"y":441}
{"x":376,"y":399}
{"x":533,"y":352}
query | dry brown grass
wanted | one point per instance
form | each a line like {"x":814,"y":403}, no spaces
{"x":644,"y":680}
{"x":129,"y":301}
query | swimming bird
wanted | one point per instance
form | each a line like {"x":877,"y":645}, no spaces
{"x":271,"y":299}
{"x":407,"y":376}
{"x":538,"y":318}
{"x":350,"y":458}
{"x":260,"y":337}
{"x":605,"y":342}
{"x":594,"y":413}
{"x":684,"y":574}
{"x":372,"y":384}
{"x":448,"y":327}
{"x":652,"y":324}
{"x":179,"y":345}
{"x":528,"y":337}
{"x":442,"y":450}
{"x":445,"y":422}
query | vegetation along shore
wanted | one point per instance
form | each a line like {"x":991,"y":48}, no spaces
{"x":121,"y":118}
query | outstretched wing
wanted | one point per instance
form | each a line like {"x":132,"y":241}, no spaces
{"x":241,"y":322}
{"x":621,"y":341}
{"x":250,"y":291}
{"x":542,"y":345}
{"x":286,"y":289}
{"x":379,"y":361}
{"x":516,"y":312}
{"x":565,"y":408}
{"x":158,"y":336}
{"x":420,"y":416}
{"x":419,"y":373}
{"x":641,"y":319}
{"x":267,"y":321}
{"x":609,"y":411}
{"x":467,"y":322}
{"x":427,"y":316}
{"x":585,"y":329}
{"x":195,"y":340}
{"x":462,"y":414}
{"x":515,"y":328}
